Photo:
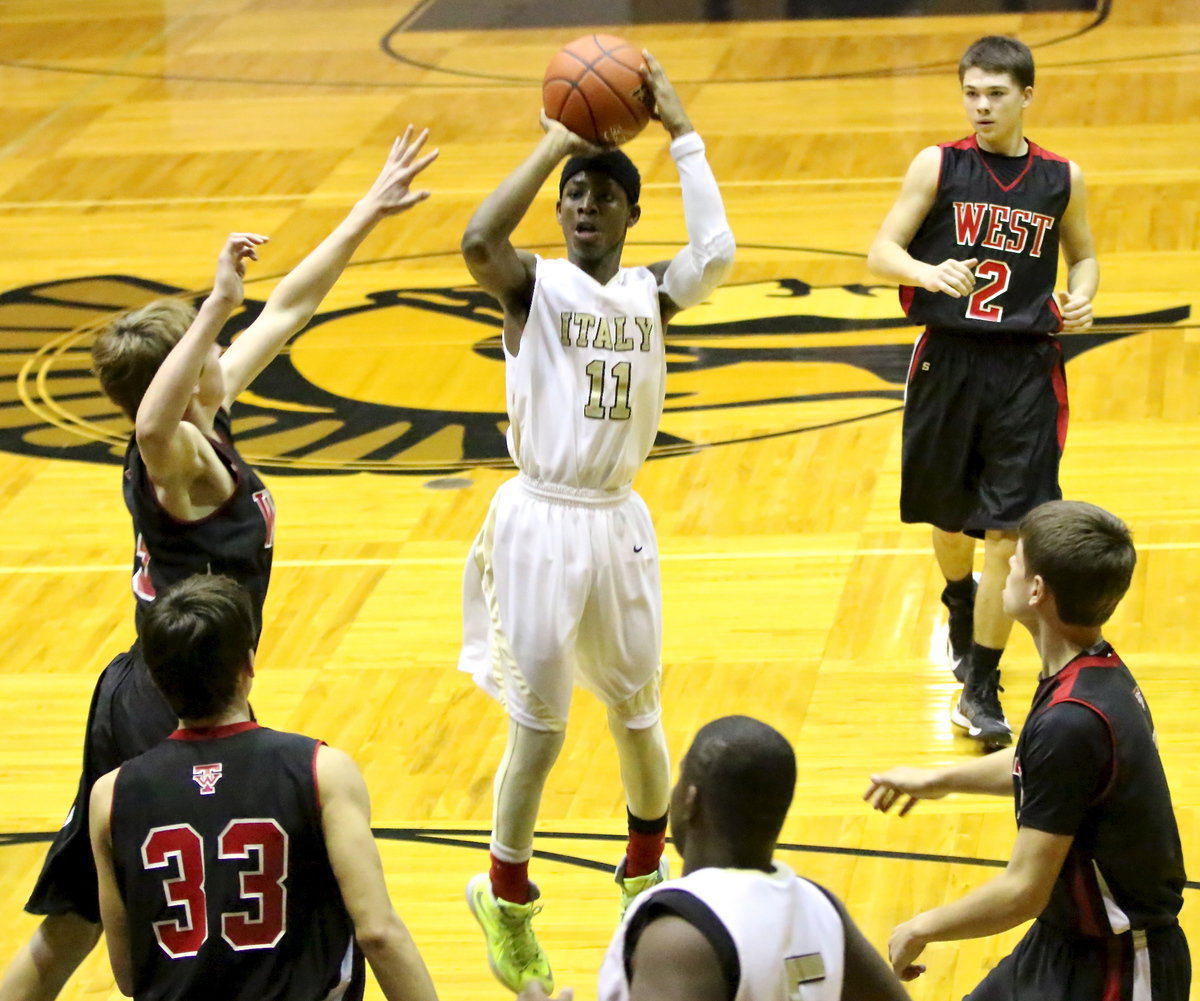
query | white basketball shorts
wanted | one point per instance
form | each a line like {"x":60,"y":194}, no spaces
{"x":560,"y":583}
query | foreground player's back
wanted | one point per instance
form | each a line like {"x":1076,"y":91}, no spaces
{"x":219,"y":853}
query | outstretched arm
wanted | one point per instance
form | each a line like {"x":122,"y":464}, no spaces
{"x":1083,"y":270}
{"x":493,"y":261}
{"x":695,"y":272}
{"x":112,"y":907}
{"x":990,"y":775}
{"x":297,"y":297}
{"x":168,"y":447}
{"x":346,"y":821}
{"x":1017,"y":895}
{"x":889,"y":256}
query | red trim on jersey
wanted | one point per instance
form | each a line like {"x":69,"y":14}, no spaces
{"x":1069,"y":673}
{"x":972,"y":142}
{"x":1081,"y":891}
{"x":1058,"y":379}
{"x":212,"y":732}
{"x":1113,"y":969}
{"x":1065,"y":683}
{"x":1052,"y":302}
{"x":1044,"y":154}
{"x":316,"y":785}
{"x":907,"y":292}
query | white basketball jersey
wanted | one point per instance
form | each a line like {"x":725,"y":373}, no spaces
{"x":789,"y":937}
{"x":585,"y":390}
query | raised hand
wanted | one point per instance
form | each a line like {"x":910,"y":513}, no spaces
{"x":566,"y":141}
{"x":665,"y":105}
{"x":915,"y":783}
{"x":1076,"y":311}
{"x":392,"y":191}
{"x":954,"y":278}
{"x":228,"y":285}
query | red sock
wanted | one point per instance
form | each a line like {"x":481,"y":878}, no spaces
{"x":643,"y":852}
{"x":510,"y":880}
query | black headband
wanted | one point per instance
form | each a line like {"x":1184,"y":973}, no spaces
{"x":612,"y":163}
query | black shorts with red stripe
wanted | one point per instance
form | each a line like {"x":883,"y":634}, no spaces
{"x":985,"y":421}
{"x":1049,"y":964}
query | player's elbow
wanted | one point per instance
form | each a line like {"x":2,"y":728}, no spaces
{"x":877,"y":260}
{"x":720,"y":253}
{"x":477,"y":246}
{"x":381,"y":935}
{"x":1027,"y":899}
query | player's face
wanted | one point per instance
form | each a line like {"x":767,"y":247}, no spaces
{"x":594,"y":213}
{"x":994,"y":105}
{"x":1017,"y":588}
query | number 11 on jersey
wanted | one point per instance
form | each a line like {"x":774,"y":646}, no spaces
{"x":619,"y":410}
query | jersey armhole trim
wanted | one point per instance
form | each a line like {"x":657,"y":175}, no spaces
{"x":681,"y":904}
{"x":317,"y":745}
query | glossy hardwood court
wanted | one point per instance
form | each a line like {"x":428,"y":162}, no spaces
{"x":134,"y":134}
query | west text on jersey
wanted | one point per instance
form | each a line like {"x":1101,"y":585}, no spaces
{"x":1001,"y":227}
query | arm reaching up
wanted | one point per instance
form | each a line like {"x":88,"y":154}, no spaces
{"x":168,"y":445}
{"x":695,"y":272}
{"x":297,"y":297}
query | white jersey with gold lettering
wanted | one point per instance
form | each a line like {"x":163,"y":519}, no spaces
{"x":585,"y":390}
{"x":786,"y":935}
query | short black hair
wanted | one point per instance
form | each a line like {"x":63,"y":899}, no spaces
{"x":196,"y":638}
{"x":999,"y":54}
{"x":744,"y":772}
{"x":613,"y":163}
{"x":1084,"y":554}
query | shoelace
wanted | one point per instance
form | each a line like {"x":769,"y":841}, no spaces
{"x":988,"y":696}
{"x":519,"y":942}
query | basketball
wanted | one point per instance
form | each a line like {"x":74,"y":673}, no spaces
{"x":594,"y":88}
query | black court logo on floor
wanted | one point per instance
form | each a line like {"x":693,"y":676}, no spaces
{"x":411,"y":380}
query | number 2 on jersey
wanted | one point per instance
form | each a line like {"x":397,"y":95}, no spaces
{"x":619,"y":411}
{"x":980,"y":305}
{"x":183,"y":936}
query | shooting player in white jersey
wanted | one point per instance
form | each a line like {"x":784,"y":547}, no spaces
{"x":562,"y":580}
{"x":739,"y":925}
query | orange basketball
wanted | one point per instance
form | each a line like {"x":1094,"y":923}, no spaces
{"x":594,"y":88}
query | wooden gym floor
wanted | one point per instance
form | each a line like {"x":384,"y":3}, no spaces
{"x":135,"y":133}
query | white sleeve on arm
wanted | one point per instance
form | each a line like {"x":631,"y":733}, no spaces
{"x":707,"y":259}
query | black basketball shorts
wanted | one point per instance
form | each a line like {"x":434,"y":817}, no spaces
{"x":985,"y":420}
{"x":1050,"y":965}
{"x":128,"y":715}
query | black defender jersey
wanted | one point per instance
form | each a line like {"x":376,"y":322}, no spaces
{"x":1011,"y":228}
{"x":1087,"y":765}
{"x":220,"y":859}
{"x":237,"y":539}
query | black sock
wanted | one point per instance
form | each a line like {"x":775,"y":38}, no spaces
{"x":984,"y":660}
{"x":960,"y":591}
{"x":640,"y":826}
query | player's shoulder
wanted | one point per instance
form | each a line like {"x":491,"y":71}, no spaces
{"x":335,"y":768}
{"x":926,"y":166}
{"x":1068,"y":721}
